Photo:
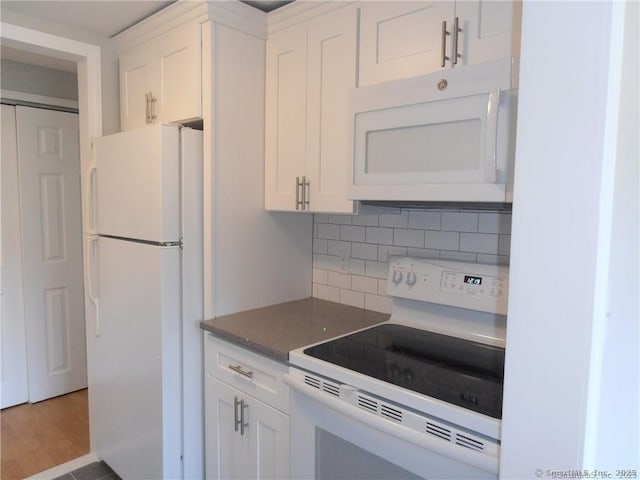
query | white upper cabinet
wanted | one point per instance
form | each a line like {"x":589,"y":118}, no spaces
{"x":285,"y":142}
{"x":311,"y":68}
{"x":401,"y":39}
{"x":160,"y":80}
{"x":405,"y":39}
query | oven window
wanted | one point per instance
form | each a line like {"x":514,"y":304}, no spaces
{"x":338,"y":459}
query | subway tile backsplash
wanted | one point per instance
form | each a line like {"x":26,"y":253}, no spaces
{"x":351,"y":252}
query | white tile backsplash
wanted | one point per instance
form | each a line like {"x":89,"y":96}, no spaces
{"x":366,"y":242}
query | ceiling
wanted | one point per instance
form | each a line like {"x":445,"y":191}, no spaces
{"x":105,"y":18}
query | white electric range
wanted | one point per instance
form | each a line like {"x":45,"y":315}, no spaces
{"x":419,"y":396}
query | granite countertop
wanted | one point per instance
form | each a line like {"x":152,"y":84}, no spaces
{"x":276,"y":330}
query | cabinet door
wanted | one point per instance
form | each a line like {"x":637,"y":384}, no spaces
{"x":402,"y":39}
{"x":489,"y":30}
{"x":286,"y":97}
{"x":227,"y":452}
{"x":268,"y":440}
{"x":331,"y":71}
{"x":176,"y":80}
{"x":136,"y":66}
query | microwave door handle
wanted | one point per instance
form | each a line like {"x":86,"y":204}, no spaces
{"x":491,"y":136}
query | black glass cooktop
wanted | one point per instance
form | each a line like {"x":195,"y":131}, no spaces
{"x":458,"y":371}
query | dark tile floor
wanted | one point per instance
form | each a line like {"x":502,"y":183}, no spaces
{"x":93,"y":471}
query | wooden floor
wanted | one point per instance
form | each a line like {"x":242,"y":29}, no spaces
{"x":38,"y":436}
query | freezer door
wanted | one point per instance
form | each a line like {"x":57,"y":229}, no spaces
{"x":138,"y":184}
{"x":136,"y":396}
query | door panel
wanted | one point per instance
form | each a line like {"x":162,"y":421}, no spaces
{"x":14,"y":348}
{"x":227,"y":450}
{"x":490,"y":30}
{"x":49,"y":170}
{"x":286,"y":96}
{"x":135,"y":72}
{"x":401,"y":39}
{"x":137,"y":359}
{"x":138,"y":183}
{"x":176,"y":82}
{"x":332,"y":74}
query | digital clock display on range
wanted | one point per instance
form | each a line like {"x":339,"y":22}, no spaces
{"x":472,"y":280}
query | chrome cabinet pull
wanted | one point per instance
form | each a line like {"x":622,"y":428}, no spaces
{"x":152,"y":108}
{"x":236,"y":402}
{"x":146,"y":108}
{"x":238,"y":420}
{"x":243,"y":425}
{"x":456,"y":30}
{"x":299,"y":193}
{"x":443,"y":54}
{"x":305,"y":193}
{"x":238,"y":369}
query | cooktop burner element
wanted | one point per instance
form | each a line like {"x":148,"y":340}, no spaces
{"x":459,"y":371}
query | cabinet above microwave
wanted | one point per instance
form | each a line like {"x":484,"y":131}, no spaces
{"x":443,"y":137}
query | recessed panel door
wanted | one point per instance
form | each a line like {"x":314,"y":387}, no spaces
{"x":49,"y":171}
{"x":286,"y":107}
{"x":175,"y":81}
{"x":135,"y":72}
{"x":402,"y":39}
{"x":14,"y":386}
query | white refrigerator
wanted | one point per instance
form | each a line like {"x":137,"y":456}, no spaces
{"x":145,"y":283}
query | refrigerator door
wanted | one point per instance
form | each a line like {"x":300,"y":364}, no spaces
{"x":136,"y":398}
{"x":137,"y":184}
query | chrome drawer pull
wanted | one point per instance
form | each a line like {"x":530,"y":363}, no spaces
{"x":238,"y":369}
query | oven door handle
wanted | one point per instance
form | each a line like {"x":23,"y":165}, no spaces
{"x":442,"y":447}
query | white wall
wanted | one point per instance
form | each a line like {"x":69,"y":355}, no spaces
{"x":561,"y":213}
{"x":613,"y":428}
{"x":109,"y":59}
{"x":37,"y":80}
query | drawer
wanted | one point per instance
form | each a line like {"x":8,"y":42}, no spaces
{"x":250,"y":372}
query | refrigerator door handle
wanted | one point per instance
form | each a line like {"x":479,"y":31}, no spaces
{"x":91,"y":199}
{"x":92,"y":268}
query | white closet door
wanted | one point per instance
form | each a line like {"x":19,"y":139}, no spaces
{"x":14,"y":350}
{"x":49,"y":170}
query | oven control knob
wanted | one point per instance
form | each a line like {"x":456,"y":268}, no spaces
{"x":397,"y":277}
{"x":408,"y":374}
{"x":411,"y":279}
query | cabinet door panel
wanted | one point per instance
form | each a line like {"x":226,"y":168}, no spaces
{"x":401,"y":39}
{"x":135,"y":72}
{"x":331,"y":74}
{"x":269,"y":441}
{"x":227,"y":452}
{"x":490,"y":30}
{"x":176,"y":80}
{"x":286,"y":91}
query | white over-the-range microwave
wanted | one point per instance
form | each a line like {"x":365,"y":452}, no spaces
{"x":442,"y":137}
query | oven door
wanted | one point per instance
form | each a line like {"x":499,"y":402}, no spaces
{"x":331,"y":438}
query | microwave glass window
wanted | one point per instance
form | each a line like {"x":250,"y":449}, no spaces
{"x":435,"y":147}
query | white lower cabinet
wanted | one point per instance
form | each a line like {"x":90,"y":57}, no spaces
{"x":245,"y":437}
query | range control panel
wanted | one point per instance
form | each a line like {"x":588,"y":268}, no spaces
{"x":458,"y":284}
